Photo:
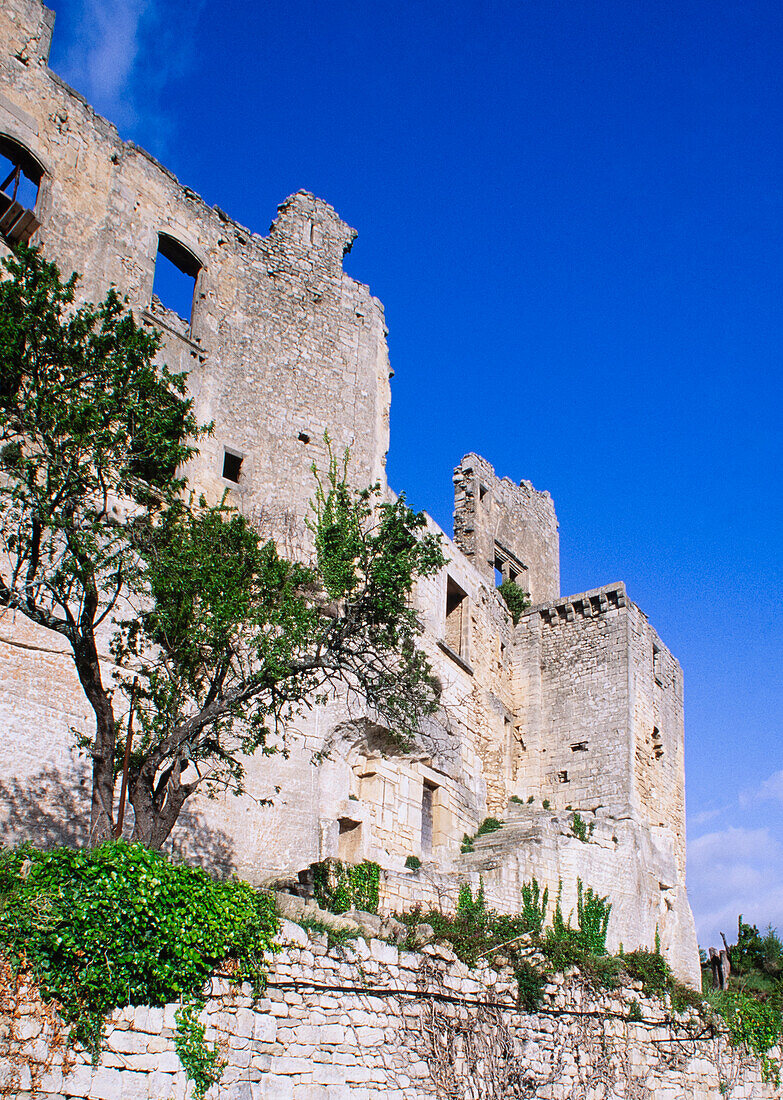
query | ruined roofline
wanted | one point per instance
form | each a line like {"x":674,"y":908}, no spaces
{"x":595,"y":601}
{"x":128,"y":147}
{"x":475,"y":462}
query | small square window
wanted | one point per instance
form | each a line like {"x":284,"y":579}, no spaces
{"x":232,"y":466}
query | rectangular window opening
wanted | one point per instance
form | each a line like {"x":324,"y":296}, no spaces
{"x":456,"y":632}
{"x":580,"y":746}
{"x":562,"y":777}
{"x":232,"y":466}
{"x":176,"y":273}
{"x":657,"y":742}
{"x":427,"y":817}
{"x":657,"y":671}
{"x":349,"y":844}
{"x":509,"y":568}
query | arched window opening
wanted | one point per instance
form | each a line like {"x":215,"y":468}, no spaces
{"x":176,"y":272}
{"x":20,"y":180}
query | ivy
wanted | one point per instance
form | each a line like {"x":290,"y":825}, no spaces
{"x":534,"y":905}
{"x":121,"y":925}
{"x":753,"y":1024}
{"x":341,"y":886}
{"x":201,"y":1063}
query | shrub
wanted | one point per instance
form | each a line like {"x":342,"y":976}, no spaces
{"x":649,"y":968}
{"x":413,"y":863}
{"x":467,"y":843}
{"x":341,"y":886}
{"x":579,"y":827}
{"x":546,"y":803}
{"x":334,"y":936}
{"x":752,"y":1024}
{"x":120,"y":925}
{"x":489,"y":825}
{"x":530,"y":985}
{"x":516,"y":600}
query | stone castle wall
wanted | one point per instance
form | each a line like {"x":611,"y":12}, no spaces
{"x":369,"y":1019}
{"x":579,"y":704}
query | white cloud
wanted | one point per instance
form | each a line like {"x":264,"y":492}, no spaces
{"x":704,"y":816}
{"x":103,"y":55}
{"x":123,"y":55}
{"x":733,"y":871}
{"x":772,"y":787}
{"x":770,"y":790}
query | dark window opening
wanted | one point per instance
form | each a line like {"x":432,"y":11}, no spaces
{"x":580,"y":746}
{"x":657,"y":741}
{"x":304,"y":437}
{"x":349,"y":843}
{"x":427,"y":817}
{"x":456,"y":619}
{"x":20,"y":180}
{"x":232,"y":466}
{"x":562,"y":777}
{"x":656,"y":655}
{"x":509,"y":568}
{"x":176,"y":272}
{"x":482,"y":492}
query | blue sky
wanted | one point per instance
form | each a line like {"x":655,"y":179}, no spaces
{"x":573,"y":213}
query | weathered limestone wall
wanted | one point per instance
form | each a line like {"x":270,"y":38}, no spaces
{"x":576,"y":718}
{"x":366,"y":1020}
{"x":511,"y":527}
{"x":656,"y":686}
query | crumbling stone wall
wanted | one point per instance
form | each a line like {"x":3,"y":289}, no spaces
{"x":511,"y":527}
{"x":369,"y":1019}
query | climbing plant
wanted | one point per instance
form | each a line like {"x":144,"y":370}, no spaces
{"x":341,"y":886}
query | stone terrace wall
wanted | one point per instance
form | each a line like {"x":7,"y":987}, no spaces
{"x":368,"y":1019}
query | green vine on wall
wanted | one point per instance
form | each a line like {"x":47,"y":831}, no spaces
{"x":202,"y":1064}
{"x":340,"y":886}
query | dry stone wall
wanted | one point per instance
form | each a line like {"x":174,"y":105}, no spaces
{"x":368,"y":1020}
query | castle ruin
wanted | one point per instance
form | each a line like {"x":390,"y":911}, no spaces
{"x":576,"y":709}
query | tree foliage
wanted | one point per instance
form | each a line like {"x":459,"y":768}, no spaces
{"x":222,"y":638}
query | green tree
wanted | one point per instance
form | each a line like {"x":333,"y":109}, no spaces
{"x":224,"y":639}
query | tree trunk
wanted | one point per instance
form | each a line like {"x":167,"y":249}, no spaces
{"x":156,"y":808}
{"x":102,"y":752}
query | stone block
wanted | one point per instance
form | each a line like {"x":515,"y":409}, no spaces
{"x":106,"y":1084}
{"x":273,"y":1087}
{"x":264,"y":1027}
